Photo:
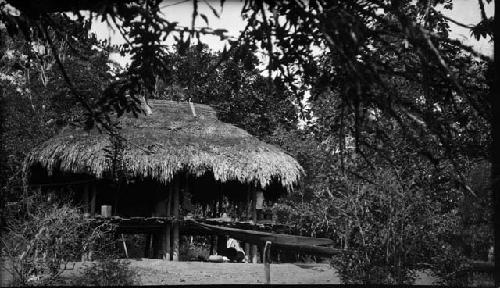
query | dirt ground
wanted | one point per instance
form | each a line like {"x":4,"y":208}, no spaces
{"x":159,"y":272}
{"x":232,"y":273}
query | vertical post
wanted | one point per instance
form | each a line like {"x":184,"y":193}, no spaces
{"x":157,"y":243}
{"x":150,"y":245}
{"x":254,"y":206}
{"x":249,"y":201}
{"x":213,"y":237}
{"x":247,"y":252}
{"x":254,"y":250}
{"x":146,"y":249}
{"x":187,"y":205}
{"x":168,"y":232}
{"x":221,"y":200}
{"x":175,"y":240}
{"x":93,"y":192}
{"x":266,"y":258}
{"x":213,"y":245}
{"x":249,"y":213}
{"x":221,"y":240}
{"x":214,"y":209}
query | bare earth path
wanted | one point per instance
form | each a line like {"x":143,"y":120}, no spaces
{"x":159,"y":272}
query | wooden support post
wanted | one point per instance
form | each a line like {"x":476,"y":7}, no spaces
{"x":167,"y":248}
{"x":157,"y":244}
{"x":247,"y":252}
{"x":146,"y":248}
{"x":261,"y":253}
{"x":150,"y":245}
{"x":249,"y":203}
{"x":266,"y":258}
{"x":254,"y":253}
{"x":154,"y":245}
{"x":175,"y":240}
{"x":214,"y":209}
{"x":254,"y":208}
{"x":93,"y":192}
{"x":187,"y":205}
{"x":248,"y":216}
{"x":168,"y":228}
{"x":254,"y":250}
{"x":221,"y":200}
{"x":213,"y":245}
{"x":160,"y":254}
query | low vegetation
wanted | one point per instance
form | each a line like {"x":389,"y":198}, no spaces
{"x":48,"y":236}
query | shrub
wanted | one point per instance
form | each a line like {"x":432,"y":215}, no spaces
{"x":49,"y":236}
{"x":197,"y":250}
{"x":44,"y":241}
{"x":108,"y":272}
{"x":389,"y":227}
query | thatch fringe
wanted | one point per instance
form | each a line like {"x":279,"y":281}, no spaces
{"x":170,"y":140}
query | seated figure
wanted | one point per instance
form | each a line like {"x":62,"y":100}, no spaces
{"x":234,"y":252}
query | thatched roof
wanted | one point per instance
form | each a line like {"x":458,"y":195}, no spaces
{"x":170,"y":140}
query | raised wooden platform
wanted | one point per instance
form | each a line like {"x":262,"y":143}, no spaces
{"x":135,"y":224}
{"x":303,"y":244}
{"x":145,"y":224}
{"x":253,"y":233}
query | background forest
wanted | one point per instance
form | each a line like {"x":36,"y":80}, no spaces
{"x":395,"y":150}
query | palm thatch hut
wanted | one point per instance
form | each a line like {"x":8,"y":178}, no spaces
{"x":176,"y":160}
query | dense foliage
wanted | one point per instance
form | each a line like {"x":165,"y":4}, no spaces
{"x":34,"y":91}
{"x":399,"y":208}
{"x":48,"y":235}
{"x":399,"y":117}
{"x":235,"y":88}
